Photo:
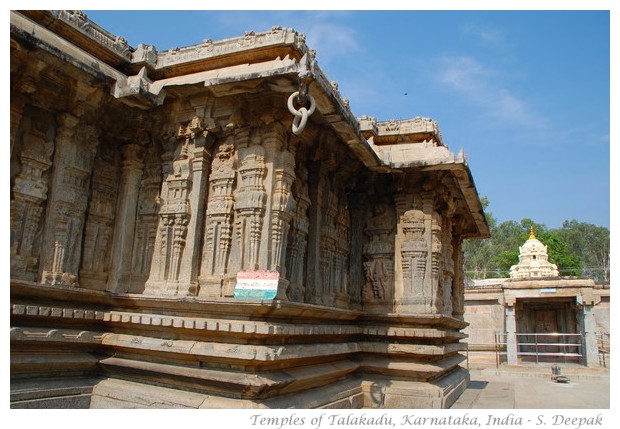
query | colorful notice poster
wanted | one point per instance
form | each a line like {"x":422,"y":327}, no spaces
{"x":259,"y":284}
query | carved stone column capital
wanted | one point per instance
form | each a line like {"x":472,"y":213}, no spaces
{"x":67,"y":123}
{"x":132,"y":155}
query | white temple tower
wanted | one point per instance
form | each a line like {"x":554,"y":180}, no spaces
{"x":533,"y":260}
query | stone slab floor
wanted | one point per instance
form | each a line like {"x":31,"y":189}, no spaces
{"x":512,"y":390}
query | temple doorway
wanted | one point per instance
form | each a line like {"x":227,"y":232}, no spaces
{"x":548,"y":330}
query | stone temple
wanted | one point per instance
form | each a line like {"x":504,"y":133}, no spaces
{"x":211,"y":227}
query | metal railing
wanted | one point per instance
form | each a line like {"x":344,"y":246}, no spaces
{"x":548,"y":346}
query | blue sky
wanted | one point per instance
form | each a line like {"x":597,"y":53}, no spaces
{"x":526,"y":94}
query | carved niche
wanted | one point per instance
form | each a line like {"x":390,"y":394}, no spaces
{"x":378,"y":255}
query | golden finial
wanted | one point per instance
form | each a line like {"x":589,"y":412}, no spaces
{"x":532,"y":236}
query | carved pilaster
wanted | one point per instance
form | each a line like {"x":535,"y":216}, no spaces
{"x":200,"y":140}
{"x":282,"y":211}
{"x":28,"y":196}
{"x":436,"y":291}
{"x":76,"y":146}
{"x":430,"y":219}
{"x":448,"y":258}
{"x":414,"y":253}
{"x":219,"y":223}
{"x":125,"y":225}
{"x":250,"y":200}
{"x":147,"y":220}
{"x":328,"y":243}
{"x":174,"y":215}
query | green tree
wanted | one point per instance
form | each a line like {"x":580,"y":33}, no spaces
{"x":477,"y":253}
{"x":568,"y":262}
{"x":591,"y":243}
{"x":575,"y":248}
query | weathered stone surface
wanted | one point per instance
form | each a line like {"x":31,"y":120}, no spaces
{"x":143,"y":182}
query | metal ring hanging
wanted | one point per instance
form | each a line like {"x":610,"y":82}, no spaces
{"x":301,"y":114}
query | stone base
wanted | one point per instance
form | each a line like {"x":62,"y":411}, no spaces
{"x":229,"y":353}
{"x":400,"y":394}
{"x":210,"y":286}
{"x":350,"y":393}
{"x":117,"y":393}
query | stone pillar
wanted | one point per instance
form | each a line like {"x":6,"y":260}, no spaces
{"x":590,"y":343}
{"x":511,"y":332}
{"x":125,"y":223}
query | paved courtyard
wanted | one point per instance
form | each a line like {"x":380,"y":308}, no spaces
{"x":532,"y":388}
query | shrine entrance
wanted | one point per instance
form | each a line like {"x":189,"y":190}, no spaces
{"x":547,"y":330}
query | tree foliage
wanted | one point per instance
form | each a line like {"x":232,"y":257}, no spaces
{"x":578,"y":249}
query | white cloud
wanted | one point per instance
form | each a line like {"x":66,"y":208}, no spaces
{"x":463,"y":74}
{"x":489,"y":36}
{"x":483,"y":86}
{"x":331,"y":40}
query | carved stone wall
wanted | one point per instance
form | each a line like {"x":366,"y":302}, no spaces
{"x":219,"y":222}
{"x":147,"y":219}
{"x":76,"y":145}
{"x":379,"y":254}
{"x":30,"y":171}
{"x":298,"y":238}
{"x":99,"y":228}
{"x":141,"y":189}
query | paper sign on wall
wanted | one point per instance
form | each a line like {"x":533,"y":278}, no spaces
{"x":259,"y":284}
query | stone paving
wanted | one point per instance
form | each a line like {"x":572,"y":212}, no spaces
{"x":530,"y":388}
